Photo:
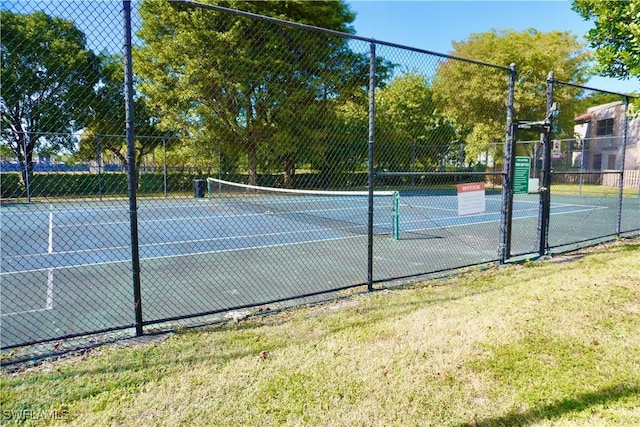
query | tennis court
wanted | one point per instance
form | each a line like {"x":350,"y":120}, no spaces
{"x":66,"y":266}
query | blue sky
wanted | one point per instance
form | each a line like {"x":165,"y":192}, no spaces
{"x":426,"y":24}
{"x":433,"y":25}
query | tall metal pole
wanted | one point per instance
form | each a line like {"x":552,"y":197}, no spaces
{"x":372,"y":109}
{"x":99,"y":165}
{"x":622,"y":162}
{"x":164,"y":164}
{"x":506,"y":214}
{"x":27,"y":173}
{"x":545,"y":186}
{"x":131,"y":164}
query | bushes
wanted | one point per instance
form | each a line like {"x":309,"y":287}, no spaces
{"x":92,"y":185}
{"x":115,"y":184}
{"x":77,"y":184}
{"x":150,"y":183}
{"x":11,"y":185}
{"x":448,"y":176}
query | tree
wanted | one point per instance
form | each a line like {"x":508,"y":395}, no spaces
{"x":48,"y":78}
{"x":410,"y":126}
{"x":243,"y":81}
{"x":105,"y":130}
{"x":615,"y":37}
{"x":474,"y":96}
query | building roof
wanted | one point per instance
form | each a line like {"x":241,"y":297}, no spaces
{"x":583,"y":118}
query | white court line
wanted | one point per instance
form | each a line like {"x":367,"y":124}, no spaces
{"x":178,"y":242}
{"x":433,"y":221}
{"x":142,"y":208}
{"x":50,"y":270}
{"x":466,"y":224}
{"x":219,"y":216}
{"x":17,"y":313}
{"x":49,"y":289}
{"x":93,"y":264}
{"x":423,"y":207}
{"x":40,"y":210}
{"x":49,"y":305}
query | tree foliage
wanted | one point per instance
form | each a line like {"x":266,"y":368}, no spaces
{"x":247,"y":84}
{"x":475,"y":96}
{"x":105,"y":131}
{"x":409,"y":125}
{"x":48,"y":78}
{"x":615,"y":36}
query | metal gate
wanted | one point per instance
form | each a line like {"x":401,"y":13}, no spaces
{"x":571,"y":192}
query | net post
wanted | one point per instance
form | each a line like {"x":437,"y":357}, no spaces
{"x":396,"y":215}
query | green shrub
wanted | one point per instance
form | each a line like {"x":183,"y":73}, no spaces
{"x":11,"y":185}
{"x":78,"y":184}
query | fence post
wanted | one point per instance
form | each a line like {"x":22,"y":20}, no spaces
{"x":371,"y":172}
{"x":164,"y":165}
{"x":131,"y":165}
{"x":506,"y":213}
{"x":27,"y":168}
{"x":545,"y":184}
{"x":622,"y":161}
{"x":98,"y":165}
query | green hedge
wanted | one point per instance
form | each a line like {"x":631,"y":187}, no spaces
{"x":448,"y":177}
{"x":77,"y":184}
{"x":90,"y":184}
{"x":150,"y":183}
{"x":114,"y":184}
{"x":11,"y":185}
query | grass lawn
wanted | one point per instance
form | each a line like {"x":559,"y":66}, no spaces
{"x":592,"y":190}
{"x":553,"y":343}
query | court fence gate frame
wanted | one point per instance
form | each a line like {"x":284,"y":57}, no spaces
{"x":97,"y":257}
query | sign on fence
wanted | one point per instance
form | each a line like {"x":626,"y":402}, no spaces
{"x":471,"y":198}
{"x":521,"y":175}
{"x":556,"y":150}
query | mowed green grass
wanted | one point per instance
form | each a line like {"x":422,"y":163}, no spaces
{"x":553,"y":343}
{"x":592,"y":190}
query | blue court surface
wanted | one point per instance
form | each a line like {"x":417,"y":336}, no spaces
{"x":43,"y":236}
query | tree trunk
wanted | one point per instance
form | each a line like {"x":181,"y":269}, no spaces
{"x":324,"y":172}
{"x":25,"y":156}
{"x":26,"y":170}
{"x":289,"y":170}
{"x":253,"y":164}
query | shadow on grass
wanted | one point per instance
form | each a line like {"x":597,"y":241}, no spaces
{"x":560,"y":408}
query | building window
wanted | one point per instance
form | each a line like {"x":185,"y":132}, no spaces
{"x":611,"y":161}
{"x":604,"y":127}
{"x":597,"y":162}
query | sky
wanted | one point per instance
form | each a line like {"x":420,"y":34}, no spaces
{"x":426,"y":24}
{"x":433,"y":25}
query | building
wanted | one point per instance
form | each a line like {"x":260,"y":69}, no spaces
{"x":600,"y":137}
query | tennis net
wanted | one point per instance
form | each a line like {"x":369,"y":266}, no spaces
{"x":345,"y":211}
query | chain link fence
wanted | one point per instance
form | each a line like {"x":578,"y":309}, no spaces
{"x":273,"y":164}
{"x":597,"y":170}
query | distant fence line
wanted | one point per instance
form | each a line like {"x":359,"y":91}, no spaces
{"x":630,"y":179}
